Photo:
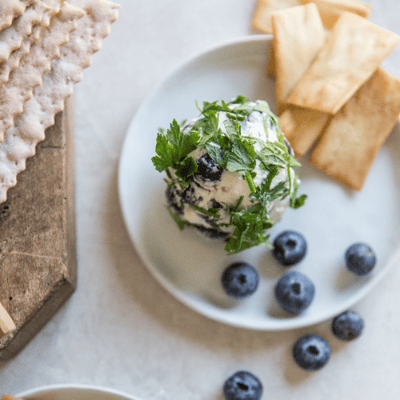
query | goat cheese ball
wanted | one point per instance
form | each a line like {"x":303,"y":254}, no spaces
{"x":230,"y":172}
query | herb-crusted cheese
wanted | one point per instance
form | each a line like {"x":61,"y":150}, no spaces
{"x":230,"y":173}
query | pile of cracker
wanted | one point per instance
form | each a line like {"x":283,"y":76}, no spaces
{"x":333,"y":98}
{"x":44,"y":47}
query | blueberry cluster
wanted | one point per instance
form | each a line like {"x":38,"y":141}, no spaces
{"x":295,"y":292}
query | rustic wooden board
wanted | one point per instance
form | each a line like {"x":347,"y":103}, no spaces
{"x":37,"y":237}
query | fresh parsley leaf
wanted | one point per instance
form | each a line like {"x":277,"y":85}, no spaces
{"x":173,"y":146}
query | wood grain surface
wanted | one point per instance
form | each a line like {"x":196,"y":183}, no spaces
{"x":37,"y":237}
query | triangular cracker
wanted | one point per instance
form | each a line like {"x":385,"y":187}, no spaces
{"x":29,"y":128}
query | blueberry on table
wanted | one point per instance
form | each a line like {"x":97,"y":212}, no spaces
{"x":311,"y":352}
{"x":360,"y":258}
{"x":347,"y":326}
{"x":243,"y":385}
{"x":290,"y":247}
{"x":208,"y":169}
{"x":240,"y":280}
{"x":294,"y":292}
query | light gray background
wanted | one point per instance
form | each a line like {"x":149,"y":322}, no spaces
{"x":120,"y":329}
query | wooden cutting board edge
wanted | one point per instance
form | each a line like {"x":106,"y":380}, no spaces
{"x":13,"y":343}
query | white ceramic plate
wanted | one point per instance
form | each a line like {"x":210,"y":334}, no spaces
{"x":74,"y":392}
{"x":334,"y":217}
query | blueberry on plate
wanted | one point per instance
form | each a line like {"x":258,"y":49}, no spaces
{"x":290,"y":247}
{"x":294,"y":292}
{"x":311,"y":352}
{"x":208,"y":169}
{"x":360,"y":258}
{"x":347,"y":326}
{"x":243,"y":385}
{"x":240,"y":280}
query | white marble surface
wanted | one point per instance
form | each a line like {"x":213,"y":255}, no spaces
{"x":120,"y":329}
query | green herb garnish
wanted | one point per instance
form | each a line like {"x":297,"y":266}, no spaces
{"x":235,"y":152}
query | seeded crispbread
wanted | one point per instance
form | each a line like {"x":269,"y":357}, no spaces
{"x":10,"y":9}
{"x":29,"y":127}
{"x":19,"y":87}
{"x":15,"y":57}
{"x":348,"y":58}
{"x":12,"y":36}
{"x":353,"y":137}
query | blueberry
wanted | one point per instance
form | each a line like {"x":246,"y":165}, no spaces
{"x":311,"y":352}
{"x":294,"y":292}
{"x":290,"y":247}
{"x":243,"y":385}
{"x":347,"y":326}
{"x":360,"y":258}
{"x":208,"y":169}
{"x":240,"y":280}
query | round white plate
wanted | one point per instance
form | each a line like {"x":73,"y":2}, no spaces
{"x":75,"y":392}
{"x":334,"y":217}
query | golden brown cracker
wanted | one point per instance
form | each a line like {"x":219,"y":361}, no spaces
{"x":349,"y":56}
{"x":271,"y":67}
{"x":298,"y":37}
{"x":355,"y":134}
{"x":302,"y":126}
{"x":264,"y":9}
{"x":331,"y":10}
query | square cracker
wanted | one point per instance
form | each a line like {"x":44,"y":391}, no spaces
{"x":10,"y":9}
{"x":264,"y":9}
{"x":353,"y":137}
{"x":331,"y":10}
{"x":349,"y":56}
{"x":298,"y":37}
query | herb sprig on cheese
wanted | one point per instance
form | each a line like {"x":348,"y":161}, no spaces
{"x":233,"y":150}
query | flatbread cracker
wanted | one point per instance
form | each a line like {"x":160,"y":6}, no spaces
{"x":53,"y":7}
{"x":331,"y":10}
{"x":12,"y":36}
{"x":29,"y":128}
{"x":264,"y":9}
{"x":355,"y":134}
{"x":298,"y":37}
{"x":10,"y":9}
{"x":301,"y":127}
{"x":349,"y":56}
{"x":19,"y":87}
